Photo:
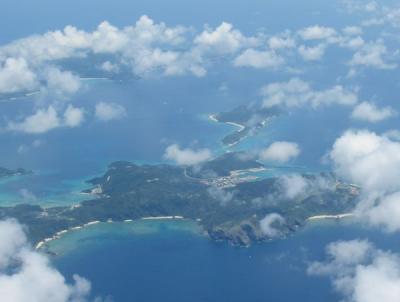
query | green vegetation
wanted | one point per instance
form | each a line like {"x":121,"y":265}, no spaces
{"x":226,"y":212}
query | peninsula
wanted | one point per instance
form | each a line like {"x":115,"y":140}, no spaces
{"x":248,"y":119}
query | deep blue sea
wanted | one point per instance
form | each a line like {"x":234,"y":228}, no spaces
{"x":172,"y":261}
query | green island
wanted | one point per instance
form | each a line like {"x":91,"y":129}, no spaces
{"x":249,"y":119}
{"x":225,"y":196}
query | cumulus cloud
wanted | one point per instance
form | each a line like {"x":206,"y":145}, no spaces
{"x":295,"y":186}
{"x":353,"y":43}
{"x":146,"y":47}
{"x":373,"y":162}
{"x":61,"y":82}
{"x":258,"y":59}
{"x":270,"y":224}
{"x":110,"y":67}
{"x":369,"y":160}
{"x":373,"y":55}
{"x":281,"y":42}
{"x":369,"y":112}
{"x":44,"y":120}
{"x":317,"y":32}
{"x":360,"y":5}
{"x":223,"y":40}
{"x":187,"y":157}
{"x":16,"y":76}
{"x":73,"y":116}
{"x":312,"y":53}
{"x":352,"y":30}
{"x":26,"y":275}
{"x":281,"y":152}
{"x":298,"y":93}
{"x":109,"y":111}
{"x":360,"y":272}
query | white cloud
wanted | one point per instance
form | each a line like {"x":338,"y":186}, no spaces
{"x":298,"y":93}
{"x":353,"y":43}
{"x":352,"y":30}
{"x":317,"y":32}
{"x":369,"y":160}
{"x":110,"y":67}
{"x":270,"y":224}
{"x":352,"y":6}
{"x":372,"y":55}
{"x":16,"y":76}
{"x":61,"y":82}
{"x":223,"y":40}
{"x":373,"y":162}
{"x":280,"y":152}
{"x":369,"y":112}
{"x":147,"y":47}
{"x":187,"y":157}
{"x":109,"y":111}
{"x":360,"y":272}
{"x":26,"y":275}
{"x":381,"y":211}
{"x":258,"y":59}
{"x":293,"y":185}
{"x":108,"y":39}
{"x":312,"y":53}
{"x":42,"y":121}
{"x":45,"y":120}
{"x":73,"y":116}
{"x":277,"y":42}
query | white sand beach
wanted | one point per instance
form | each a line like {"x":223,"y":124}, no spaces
{"x":339,"y":216}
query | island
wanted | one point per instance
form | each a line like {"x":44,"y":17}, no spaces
{"x":4,"y":172}
{"x":248,"y":119}
{"x":225,"y":196}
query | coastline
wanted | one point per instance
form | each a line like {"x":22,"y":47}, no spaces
{"x":58,"y":235}
{"x":43,"y":244}
{"x":214,"y":119}
{"x":323,"y":217}
{"x":241,"y":127}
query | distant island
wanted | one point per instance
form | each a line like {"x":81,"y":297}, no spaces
{"x":4,"y":172}
{"x":249,"y":120}
{"x":225,"y":196}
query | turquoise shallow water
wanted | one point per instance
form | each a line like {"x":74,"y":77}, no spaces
{"x":172,"y":261}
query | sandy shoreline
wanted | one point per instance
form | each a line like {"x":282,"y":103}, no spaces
{"x":58,"y":235}
{"x":214,"y":119}
{"x":241,"y":127}
{"x":321,"y":217}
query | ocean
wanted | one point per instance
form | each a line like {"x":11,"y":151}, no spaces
{"x":172,"y":261}
{"x":160,"y":112}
